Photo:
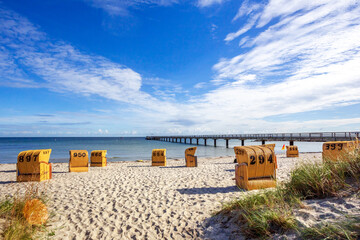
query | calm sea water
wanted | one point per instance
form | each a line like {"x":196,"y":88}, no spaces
{"x":124,"y":148}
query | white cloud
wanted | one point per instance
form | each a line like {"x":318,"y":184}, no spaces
{"x":120,"y":7}
{"x":63,"y":68}
{"x":207,"y":3}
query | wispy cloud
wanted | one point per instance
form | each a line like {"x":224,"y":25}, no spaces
{"x":207,"y":3}
{"x":304,"y":60}
{"x":120,"y":7}
{"x":61,"y":67}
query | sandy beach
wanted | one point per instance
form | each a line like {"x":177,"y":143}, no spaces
{"x":132,"y":200}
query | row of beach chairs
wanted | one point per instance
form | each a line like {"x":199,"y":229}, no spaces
{"x":33,"y":165}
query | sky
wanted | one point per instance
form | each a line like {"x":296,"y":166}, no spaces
{"x":178,"y":67}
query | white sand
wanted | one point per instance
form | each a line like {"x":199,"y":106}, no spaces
{"x":134,"y":200}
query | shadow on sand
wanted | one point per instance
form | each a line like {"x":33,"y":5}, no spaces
{"x":210,"y":190}
{"x":7,"y":182}
{"x":175,"y":167}
{"x":8,"y":171}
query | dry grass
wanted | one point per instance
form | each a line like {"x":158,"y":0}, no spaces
{"x":347,"y":229}
{"x":11,"y":210}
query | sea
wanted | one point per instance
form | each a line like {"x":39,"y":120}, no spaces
{"x":127,"y":148}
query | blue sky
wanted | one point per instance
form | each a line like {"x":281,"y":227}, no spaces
{"x":141,"y":67}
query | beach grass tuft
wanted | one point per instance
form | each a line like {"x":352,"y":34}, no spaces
{"x":11,"y":212}
{"x":265,"y":212}
{"x":313,"y":181}
{"x":346,"y":229}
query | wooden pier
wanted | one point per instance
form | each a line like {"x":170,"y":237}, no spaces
{"x":291,"y":137}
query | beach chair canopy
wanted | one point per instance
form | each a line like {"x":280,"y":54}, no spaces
{"x":33,"y":165}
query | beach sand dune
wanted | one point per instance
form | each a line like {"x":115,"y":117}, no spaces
{"x":132,"y":200}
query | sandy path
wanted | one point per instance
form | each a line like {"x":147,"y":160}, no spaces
{"x":132,"y":200}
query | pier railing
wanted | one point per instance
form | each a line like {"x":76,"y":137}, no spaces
{"x":303,"y":137}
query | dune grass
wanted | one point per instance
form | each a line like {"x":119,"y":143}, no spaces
{"x":347,"y":229}
{"x":270,"y":211}
{"x":11,"y":210}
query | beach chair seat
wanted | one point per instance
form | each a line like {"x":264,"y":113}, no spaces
{"x":256,"y":168}
{"x":98,"y":158}
{"x":79,"y":161}
{"x":292,"y":151}
{"x":33,"y":165}
{"x":190,"y":158}
{"x":158,"y":157}
{"x":334,"y":151}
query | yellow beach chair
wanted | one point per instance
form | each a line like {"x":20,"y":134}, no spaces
{"x":292,"y":151}
{"x":98,"y":158}
{"x":33,"y":165}
{"x":158,"y":157}
{"x":256,"y":167}
{"x":79,"y":161}
{"x":190,"y":158}
{"x":334,"y":151}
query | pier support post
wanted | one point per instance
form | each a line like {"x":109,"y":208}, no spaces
{"x":262,"y":142}
{"x":227,"y":143}
{"x":242,"y":142}
{"x":205,"y":141}
{"x":291,"y":143}
{"x":214,"y":142}
{"x":197,"y":141}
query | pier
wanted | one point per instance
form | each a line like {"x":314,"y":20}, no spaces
{"x":291,"y":137}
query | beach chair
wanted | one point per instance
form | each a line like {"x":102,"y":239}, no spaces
{"x":98,"y":158}
{"x":256,"y":168}
{"x":334,"y":151}
{"x":79,"y":161}
{"x":292,"y":151}
{"x":33,"y":165}
{"x":270,"y":145}
{"x":158,"y":157}
{"x":190,"y":158}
